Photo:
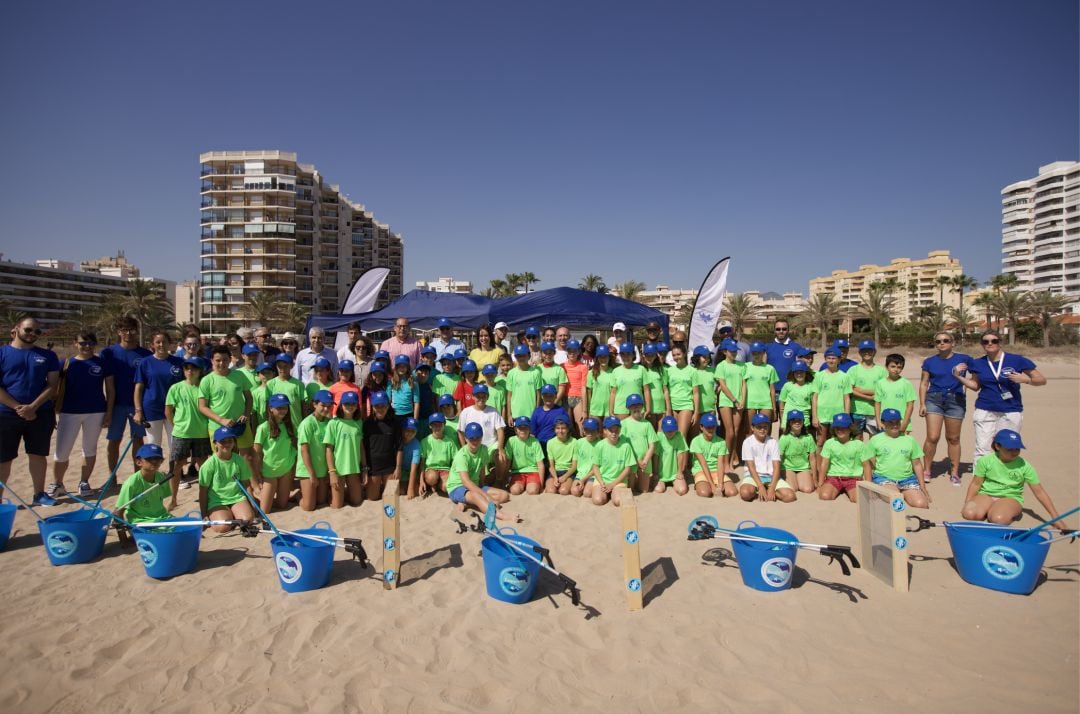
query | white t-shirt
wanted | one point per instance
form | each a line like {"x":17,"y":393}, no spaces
{"x":762,"y":453}
{"x":489,"y":419}
{"x":560,"y":356}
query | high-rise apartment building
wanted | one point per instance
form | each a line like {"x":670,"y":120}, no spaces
{"x":187,"y":302}
{"x":446,"y":285}
{"x":1040,"y":229}
{"x":272,"y":224}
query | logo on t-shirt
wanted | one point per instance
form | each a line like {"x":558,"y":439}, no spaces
{"x":39,"y":360}
{"x":135,"y":362}
{"x":789,"y":353}
{"x":95,"y":371}
{"x":176,"y":371}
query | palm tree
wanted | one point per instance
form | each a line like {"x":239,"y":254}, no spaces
{"x":877,"y":307}
{"x":961,"y":283}
{"x":985,"y":301}
{"x":942,"y":282}
{"x":739,"y":309}
{"x":1042,"y":306}
{"x":529,"y":278}
{"x":293,"y":317}
{"x":593,"y":283}
{"x":963,"y":317}
{"x":10,"y":315}
{"x":1003,"y":281}
{"x":1010,"y":305}
{"x":263,"y":307}
{"x":931,"y":317}
{"x":146,"y":302}
{"x":629,"y":290}
{"x":821,"y":312}
{"x":913,"y":292}
{"x":513,"y":282}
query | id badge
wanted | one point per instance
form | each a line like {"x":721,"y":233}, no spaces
{"x":1005,"y":395}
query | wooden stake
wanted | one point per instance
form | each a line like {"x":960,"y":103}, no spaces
{"x":631,"y":550}
{"x":391,"y":532}
{"x":882,"y":534}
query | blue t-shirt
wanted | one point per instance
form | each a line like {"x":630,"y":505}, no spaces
{"x":427,"y":399}
{"x":156,"y":376}
{"x":410,"y":454}
{"x":24,"y":374}
{"x":940,"y":370}
{"x":84,"y":386}
{"x":123,"y":363}
{"x":992,"y":390}
{"x":781,"y":357}
{"x":543,"y":423}
{"x":402,"y":398}
{"x":845,"y":365}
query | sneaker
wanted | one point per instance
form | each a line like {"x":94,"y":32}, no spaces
{"x":954,"y":479}
{"x":44,"y":499}
{"x":84,"y":489}
{"x":53,"y":490}
{"x":185,"y":485}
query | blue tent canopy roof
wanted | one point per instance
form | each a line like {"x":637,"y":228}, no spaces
{"x":421,"y":307}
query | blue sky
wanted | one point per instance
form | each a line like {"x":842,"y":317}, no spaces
{"x":633,"y":140}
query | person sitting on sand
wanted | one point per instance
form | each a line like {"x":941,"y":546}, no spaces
{"x":613,"y":461}
{"x":469,"y":466}
{"x":142,"y":497}
{"x":841,"y":460}
{"x":897,"y":460}
{"x":220,"y":496}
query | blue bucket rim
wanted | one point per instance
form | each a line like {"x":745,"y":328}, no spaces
{"x":66,"y":515}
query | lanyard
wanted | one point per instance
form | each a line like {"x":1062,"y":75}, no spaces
{"x":996,"y":372}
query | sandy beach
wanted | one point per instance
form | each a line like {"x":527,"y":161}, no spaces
{"x":104,"y":636}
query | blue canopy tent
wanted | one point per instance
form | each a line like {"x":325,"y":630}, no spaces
{"x":570,"y":306}
{"x":422,"y":308}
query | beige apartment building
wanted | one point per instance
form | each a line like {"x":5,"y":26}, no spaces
{"x":917,"y":281}
{"x":1040,"y":229}
{"x":271,"y":223}
{"x":446,"y":285}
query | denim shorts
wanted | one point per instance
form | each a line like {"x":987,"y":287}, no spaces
{"x":948,"y":404}
{"x":124,"y":417}
{"x":458,"y":494}
{"x":903,"y":484}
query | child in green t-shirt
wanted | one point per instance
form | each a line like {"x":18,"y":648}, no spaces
{"x":585,"y":454}
{"x":864,"y":377}
{"x":260,"y":393}
{"x":221,"y":498}
{"x":469,"y":466}
{"x":613,"y":464}
{"x":731,"y":394}
{"x":642,"y":437}
{"x":710,"y":461}
{"x":797,"y":393}
{"x":893,"y":391}
{"x":344,"y":454}
{"x":832,"y":395}
{"x":798,"y":453}
{"x":897,"y":459}
{"x":671,"y":451}
{"x":311,"y":457}
{"x":526,"y":459}
{"x":842,"y":466}
{"x":761,"y":379}
{"x":523,"y":384}
{"x":142,"y":497}
{"x":437,"y":451}
{"x":275,"y":455}
{"x":190,"y":444}
{"x":562,"y":462}
{"x":410,"y":457}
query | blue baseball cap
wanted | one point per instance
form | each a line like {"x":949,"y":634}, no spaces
{"x":805,"y":352}
{"x":346,"y":364}
{"x":381,"y":354}
{"x":468,"y":366}
{"x":460,"y":353}
{"x":480,"y":389}
{"x":634,"y":400}
{"x":532,"y":332}
{"x":867,"y":345}
{"x":521,"y":351}
{"x":437,"y":418}
{"x":832,"y":352}
{"x":547,"y":346}
{"x":403,"y":359}
{"x":378,"y":398}
{"x":474,"y":431}
{"x":757,"y":347}
{"x":572,"y":345}
{"x":323,"y":396}
{"x":759,"y":419}
{"x":840,"y":343}
{"x":612,"y":422}
{"x":409,"y":423}
{"x":489,"y":369}
{"x":562,"y":419}
{"x":423,"y":366}
{"x":150,"y":451}
{"x":1008,"y":439}
{"x":799,"y":367}
{"x":277,"y":400}
{"x":841,"y":420}
{"x":198,"y":362}
{"x":626,"y":347}
{"x":602,"y":351}
{"x":708,"y":419}
{"x":377,"y":367}
{"x":447,"y":357}
{"x":548,"y":389}
{"x":349,"y":398}
{"x":669,"y":424}
{"x":522,"y":421}
{"x":249,"y":349}
{"x":283,"y":357}
{"x":795,"y":415}
{"x":446,"y":400}
{"x":663,"y":346}
{"x":649,"y":348}
{"x":702,"y":351}
{"x":321,"y":363}
{"x":444,"y":322}
{"x":729,"y":345}
{"x":590,"y":424}
{"x":224,"y":432}
{"x":429,"y":350}
{"x":890,"y":415}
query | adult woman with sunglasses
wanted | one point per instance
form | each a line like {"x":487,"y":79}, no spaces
{"x":942,"y":402}
{"x":997,"y":377}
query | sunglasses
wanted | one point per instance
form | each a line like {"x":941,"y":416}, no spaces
{"x":780,"y":329}
{"x":943,"y":342}
{"x":86,"y":344}
{"x":991,"y":341}
{"x":32,"y":330}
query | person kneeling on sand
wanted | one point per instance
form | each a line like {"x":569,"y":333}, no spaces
{"x":220,"y":496}
{"x":468,"y":468}
{"x":613,"y":460}
{"x":142,"y":497}
{"x":897,"y":461}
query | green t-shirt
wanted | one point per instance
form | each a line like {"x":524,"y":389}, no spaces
{"x":865,"y":378}
{"x":554,"y":375}
{"x":216,"y":476}
{"x":561,"y":453}
{"x":845,"y":460}
{"x":474,"y":464}
{"x":797,"y":396}
{"x":150,"y":507}
{"x":706,"y":383}
{"x":444,"y":383}
{"x":640,"y":434}
{"x":759,"y":377}
{"x":345,"y":435}
{"x":250,"y":375}
{"x":733,"y":374}
{"x":599,"y":391}
{"x":669,"y":450}
{"x":795,"y":451}
{"x":710,"y":450}
{"x":294,"y":390}
{"x":259,"y":395}
{"x":224,"y":395}
{"x":626,"y":381}
{"x":892,"y":457}
{"x":613,"y":458}
{"x":497,"y":395}
{"x":655,"y":381}
{"x":522,"y":386}
{"x":188,"y":421}
{"x":831,"y":388}
{"x":585,"y":454}
{"x":312,"y":432}
{"x":278,"y":455}
{"x":680,"y":381}
{"x":894,"y":394}
{"x":1005,"y":480}
{"x":438,"y":454}
{"x":314,"y":388}
{"x":524,"y":454}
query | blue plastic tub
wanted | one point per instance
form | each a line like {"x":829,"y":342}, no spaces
{"x":988,"y":555}
{"x":509,"y":575}
{"x":171,"y":551}
{"x":74,"y":537}
{"x":304,"y":564}
{"x":765,"y":566}
{"x":7,"y":519}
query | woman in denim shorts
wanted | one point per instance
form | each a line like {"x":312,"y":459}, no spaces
{"x":942,"y":402}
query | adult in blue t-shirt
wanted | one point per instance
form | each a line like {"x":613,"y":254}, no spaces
{"x":781,"y":352}
{"x":997,"y":376}
{"x":123,"y":359}
{"x":543,"y":422}
{"x":28,"y":379}
{"x":153,"y":377}
{"x":87,"y":403}
{"x":942,"y":402}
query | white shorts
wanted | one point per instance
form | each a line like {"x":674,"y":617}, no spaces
{"x":154,"y":433}
{"x":67,"y":428}
{"x":988,"y":424}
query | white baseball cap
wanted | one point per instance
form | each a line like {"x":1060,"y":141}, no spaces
{"x":618,"y":326}
{"x":723,"y":324}
{"x":501,"y":326}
